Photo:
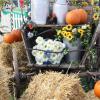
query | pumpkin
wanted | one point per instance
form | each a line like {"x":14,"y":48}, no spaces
{"x":8,"y":38}
{"x":73,"y":17}
{"x":83,"y":15}
{"x":77,"y":16}
{"x":17,"y":33}
{"x":97,"y":89}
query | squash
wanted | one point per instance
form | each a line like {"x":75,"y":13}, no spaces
{"x":77,"y":16}
{"x":73,"y":17}
{"x":8,"y":38}
{"x":97,"y":89}
{"x":17,"y":33}
{"x":83,"y":15}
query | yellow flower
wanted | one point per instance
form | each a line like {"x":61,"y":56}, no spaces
{"x":81,"y":31}
{"x":59,"y":32}
{"x":64,"y":28}
{"x":84,"y":4}
{"x":63,"y":33}
{"x":70,"y":37}
{"x":88,"y":11}
{"x":68,"y":27}
{"x":96,"y":16}
{"x":96,"y":8}
{"x":92,"y":2}
{"x":88,"y":26}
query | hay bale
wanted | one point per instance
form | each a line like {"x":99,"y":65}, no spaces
{"x":5,"y":54}
{"x":4,"y":80}
{"x":54,"y":86}
{"x":90,"y":96}
{"x":20,"y":50}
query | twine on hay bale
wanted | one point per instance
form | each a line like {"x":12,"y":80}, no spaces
{"x":5,"y":74}
{"x":5,"y":54}
{"x":54,"y":86}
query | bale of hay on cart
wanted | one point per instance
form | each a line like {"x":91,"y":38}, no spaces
{"x":6,"y":56}
{"x":54,"y":86}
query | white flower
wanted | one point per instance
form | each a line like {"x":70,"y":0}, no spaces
{"x":34,"y":52}
{"x":74,"y":30}
{"x":50,"y":41}
{"x":39,"y":40}
{"x":48,"y":45}
{"x":30,"y":35}
{"x":40,"y":54}
{"x":84,"y":27}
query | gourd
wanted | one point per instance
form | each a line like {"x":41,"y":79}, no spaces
{"x":97,"y":89}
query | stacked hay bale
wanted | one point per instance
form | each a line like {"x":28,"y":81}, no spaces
{"x":5,"y":74}
{"x":54,"y":86}
{"x":21,"y":53}
{"x":6,"y":56}
{"x":6,"y":70}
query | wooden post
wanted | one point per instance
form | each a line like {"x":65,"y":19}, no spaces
{"x":16,"y":74}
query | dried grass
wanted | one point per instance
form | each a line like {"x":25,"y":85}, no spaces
{"x":20,"y":50}
{"x":4,"y":80}
{"x":6,"y":57}
{"x":54,"y":86}
{"x":5,"y":54}
{"x":90,"y":96}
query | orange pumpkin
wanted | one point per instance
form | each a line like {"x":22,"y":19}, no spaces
{"x":8,"y":38}
{"x":83,"y":15}
{"x":73,"y":17}
{"x":97,"y":89}
{"x":17,"y":33}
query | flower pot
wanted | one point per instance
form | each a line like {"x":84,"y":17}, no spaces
{"x":74,"y":54}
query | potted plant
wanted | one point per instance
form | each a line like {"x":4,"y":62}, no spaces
{"x":48,"y":51}
{"x":75,"y":38}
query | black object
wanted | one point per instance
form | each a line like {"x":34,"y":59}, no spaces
{"x":1,"y":33}
{"x":51,"y":19}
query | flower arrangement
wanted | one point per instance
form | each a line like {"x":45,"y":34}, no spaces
{"x":72,"y":33}
{"x":96,"y":14}
{"x":48,"y":51}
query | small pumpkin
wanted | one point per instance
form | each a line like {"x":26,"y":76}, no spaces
{"x":76,"y":16}
{"x":97,"y":89}
{"x":8,"y":38}
{"x":73,"y":17}
{"x":17,"y":33}
{"x":83,"y":15}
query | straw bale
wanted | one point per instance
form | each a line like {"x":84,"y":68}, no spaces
{"x":21,"y":53}
{"x":5,"y":54}
{"x":4,"y":80}
{"x":54,"y":86}
{"x":90,"y":96}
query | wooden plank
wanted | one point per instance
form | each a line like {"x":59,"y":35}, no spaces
{"x":62,"y":66}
